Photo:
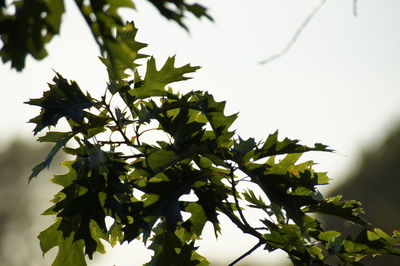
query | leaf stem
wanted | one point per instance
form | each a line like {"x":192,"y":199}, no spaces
{"x":104,"y":142}
{"x":247,"y":253}
{"x":245,"y":228}
{"x":107,"y":106}
{"x":296,"y":35}
{"x":130,"y":156}
{"x":234,"y":192}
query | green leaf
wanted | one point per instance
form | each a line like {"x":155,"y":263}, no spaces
{"x":155,"y":80}
{"x":70,"y":252}
{"x":64,"y":99}
{"x":243,"y":149}
{"x":61,"y":139}
{"x":66,"y":179}
{"x":165,"y":190}
{"x":176,"y":10}
{"x":350,"y":210}
{"x":123,"y":53}
{"x":115,"y":4}
{"x":115,"y":234}
{"x":316,"y":252}
{"x":197,"y":220}
{"x":27,"y":30}
{"x":257,"y":202}
{"x":272,"y":146}
{"x":329,"y":236}
{"x":170,"y":250}
{"x":220,"y":124}
{"x":55,"y":11}
{"x":158,"y":160}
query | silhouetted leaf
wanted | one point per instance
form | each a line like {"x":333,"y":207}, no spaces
{"x":26,"y":31}
{"x":170,"y":250}
{"x":61,"y":139}
{"x":64,"y":99}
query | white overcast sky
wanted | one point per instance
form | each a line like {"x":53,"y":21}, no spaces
{"x":339,"y":84}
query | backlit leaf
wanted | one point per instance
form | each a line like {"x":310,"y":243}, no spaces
{"x":155,"y":80}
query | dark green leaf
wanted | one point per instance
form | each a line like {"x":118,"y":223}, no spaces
{"x":64,"y":99}
{"x":273,"y":146}
{"x":61,"y":139}
{"x":26,"y":31}
{"x":170,"y":250}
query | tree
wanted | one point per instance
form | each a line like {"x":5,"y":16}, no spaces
{"x":19,"y":217}
{"x":124,"y":184}
{"x":378,"y":168}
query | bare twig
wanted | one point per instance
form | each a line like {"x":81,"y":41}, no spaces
{"x":295,"y":35}
{"x":247,"y":253}
{"x":147,"y":130}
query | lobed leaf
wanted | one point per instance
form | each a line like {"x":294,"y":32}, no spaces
{"x":63,"y":100}
{"x":155,"y":80}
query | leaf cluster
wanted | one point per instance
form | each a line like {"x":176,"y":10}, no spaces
{"x":26,"y":26}
{"x":123,"y":184}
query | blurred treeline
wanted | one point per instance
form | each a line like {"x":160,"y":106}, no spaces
{"x":375,"y":182}
{"x":21,"y":204}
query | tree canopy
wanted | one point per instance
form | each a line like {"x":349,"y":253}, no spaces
{"x":126,"y":183}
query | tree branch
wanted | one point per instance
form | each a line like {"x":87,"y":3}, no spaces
{"x":295,"y":35}
{"x":247,"y":253}
{"x":130,"y":156}
{"x":105,"y":142}
{"x":245,"y":229}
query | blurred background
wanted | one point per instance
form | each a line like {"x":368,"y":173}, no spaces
{"x":339,"y":85}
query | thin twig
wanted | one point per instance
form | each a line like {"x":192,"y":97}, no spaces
{"x":147,"y":130}
{"x":136,"y":129}
{"x":104,"y":142}
{"x":247,"y":253}
{"x":127,"y":141}
{"x":245,"y":229}
{"x":295,"y":35}
{"x":130,"y":156}
{"x":261,"y":228}
{"x":234,"y":192}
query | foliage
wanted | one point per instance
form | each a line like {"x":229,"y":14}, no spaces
{"x":26,"y":26}
{"x":124,"y":184}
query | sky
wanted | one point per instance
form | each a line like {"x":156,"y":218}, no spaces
{"x":338,"y":85}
